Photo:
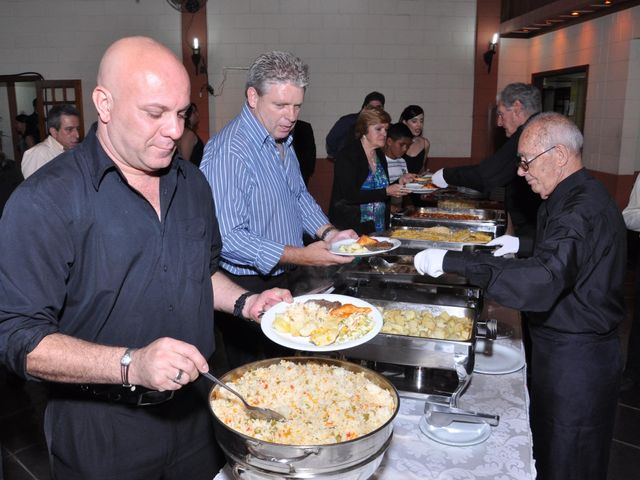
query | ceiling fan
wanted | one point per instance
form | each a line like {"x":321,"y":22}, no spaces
{"x":187,"y":6}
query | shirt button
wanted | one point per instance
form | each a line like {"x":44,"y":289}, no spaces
{"x":165,"y":268}
{"x":171,"y":308}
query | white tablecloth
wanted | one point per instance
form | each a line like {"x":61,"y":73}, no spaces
{"x":505,"y":455}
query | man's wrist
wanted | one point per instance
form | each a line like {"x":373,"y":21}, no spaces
{"x":326,"y":231}
{"x":238,"y":307}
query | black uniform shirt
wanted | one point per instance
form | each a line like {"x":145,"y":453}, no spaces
{"x":501,"y":170}
{"x":84,"y":254}
{"x":573,"y":282}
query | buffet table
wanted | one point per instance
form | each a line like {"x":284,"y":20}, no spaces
{"x":506,"y":454}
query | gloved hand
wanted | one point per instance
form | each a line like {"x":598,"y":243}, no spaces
{"x":429,"y":262}
{"x":438,"y":179}
{"x":508,"y":244}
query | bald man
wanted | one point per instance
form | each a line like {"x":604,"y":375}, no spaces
{"x":570,"y":281}
{"x":108,"y":281}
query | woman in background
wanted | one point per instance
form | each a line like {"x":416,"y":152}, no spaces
{"x":361,"y":190}
{"x":190,"y":145}
{"x":416,"y":156}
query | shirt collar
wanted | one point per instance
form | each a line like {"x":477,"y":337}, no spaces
{"x":566,"y":185}
{"x":256,"y":131}
{"x":100,"y":163}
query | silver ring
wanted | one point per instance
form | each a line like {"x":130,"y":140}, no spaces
{"x":178,"y":376}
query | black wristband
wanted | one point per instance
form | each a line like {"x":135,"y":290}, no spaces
{"x":324,"y":234}
{"x":239,"y":305}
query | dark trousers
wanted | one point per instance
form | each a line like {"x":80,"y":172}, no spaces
{"x":95,"y":440}
{"x":243,"y":340}
{"x":574,"y":393}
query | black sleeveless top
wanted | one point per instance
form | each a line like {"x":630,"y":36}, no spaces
{"x":415,"y":163}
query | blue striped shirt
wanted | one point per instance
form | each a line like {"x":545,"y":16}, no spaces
{"x":261,"y":201}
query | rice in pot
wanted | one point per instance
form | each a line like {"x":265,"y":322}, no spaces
{"x":323,"y":404}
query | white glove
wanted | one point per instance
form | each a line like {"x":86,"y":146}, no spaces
{"x":438,"y":179}
{"x":429,"y":262}
{"x":508,"y":244}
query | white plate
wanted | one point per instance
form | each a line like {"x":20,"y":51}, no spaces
{"x":335,"y":247}
{"x":457,"y":434}
{"x":497,"y":359}
{"x":303,"y":343}
{"x":418,"y":188}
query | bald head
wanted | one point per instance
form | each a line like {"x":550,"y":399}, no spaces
{"x":136,"y":56}
{"x":550,"y":145}
{"x":142,"y":94}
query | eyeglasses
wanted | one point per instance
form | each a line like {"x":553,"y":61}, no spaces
{"x":524,"y":163}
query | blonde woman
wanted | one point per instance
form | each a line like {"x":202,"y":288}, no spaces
{"x":361,"y":189}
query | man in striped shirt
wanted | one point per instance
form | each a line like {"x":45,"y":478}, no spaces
{"x":262,"y":204}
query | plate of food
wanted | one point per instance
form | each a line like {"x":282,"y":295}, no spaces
{"x":322,"y":322}
{"x":364,"y":246}
{"x":415,"y":187}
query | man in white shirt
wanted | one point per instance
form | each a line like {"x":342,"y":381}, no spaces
{"x":63,"y":123}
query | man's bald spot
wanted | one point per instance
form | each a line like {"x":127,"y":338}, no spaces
{"x":129,"y":55}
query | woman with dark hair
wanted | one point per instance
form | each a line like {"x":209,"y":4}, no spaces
{"x":416,"y":156}
{"x":190,"y":145}
{"x":361,"y":191}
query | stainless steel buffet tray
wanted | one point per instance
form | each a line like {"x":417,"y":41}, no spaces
{"x":417,"y":245}
{"x":396,"y":267}
{"x":486,"y":220}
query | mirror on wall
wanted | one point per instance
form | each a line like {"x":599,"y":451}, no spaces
{"x":564,"y":91}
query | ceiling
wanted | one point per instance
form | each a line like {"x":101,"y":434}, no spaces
{"x":543,"y":16}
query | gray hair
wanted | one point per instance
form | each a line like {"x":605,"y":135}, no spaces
{"x":553,"y":128}
{"x":528,"y":95}
{"x":277,"y":67}
{"x":53,"y":118}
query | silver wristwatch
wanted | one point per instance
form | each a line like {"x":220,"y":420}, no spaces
{"x":125,"y":361}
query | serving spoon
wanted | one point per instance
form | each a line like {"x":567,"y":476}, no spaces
{"x":258,"y":413}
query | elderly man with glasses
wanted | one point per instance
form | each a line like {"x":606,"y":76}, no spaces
{"x":569,"y":280}
{"x":515,"y":105}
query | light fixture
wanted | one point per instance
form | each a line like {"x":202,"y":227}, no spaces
{"x":195,"y":55}
{"x":488,"y":55}
{"x":200,"y":65}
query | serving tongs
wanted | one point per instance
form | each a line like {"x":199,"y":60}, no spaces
{"x":441,"y":415}
{"x":440,"y":411}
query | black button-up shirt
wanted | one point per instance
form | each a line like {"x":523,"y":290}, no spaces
{"x":84,"y":254}
{"x":574,"y":280}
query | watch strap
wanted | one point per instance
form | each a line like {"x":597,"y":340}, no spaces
{"x":125,"y":361}
{"x":239,"y":305}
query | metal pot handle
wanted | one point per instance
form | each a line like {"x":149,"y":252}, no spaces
{"x":275,"y":463}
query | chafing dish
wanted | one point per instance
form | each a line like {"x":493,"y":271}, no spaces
{"x":436,"y":370}
{"x":417,"y":245}
{"x":493,"y":221}
{"x":348,"y":460}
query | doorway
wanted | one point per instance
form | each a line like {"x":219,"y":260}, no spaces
{"x":564,"y":91}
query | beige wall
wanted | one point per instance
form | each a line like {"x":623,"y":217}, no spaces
{"x":64,"y":39}
{"x":415,"y":52}
{"x":610,"y":48}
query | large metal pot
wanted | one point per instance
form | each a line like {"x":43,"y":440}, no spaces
{"x":357,"y":459}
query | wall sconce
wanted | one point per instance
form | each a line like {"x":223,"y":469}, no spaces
{"x":196,"y":58}
{"x":488,"y":55}
{"x":200,"y":66}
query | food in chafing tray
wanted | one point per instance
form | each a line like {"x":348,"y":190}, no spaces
{"x":442,"y":234}
{"x":458,"y":203}
{"x":445,"y":216}
{"x":365,"y":244}
{"x":416,"y":323}
{"x":323,"y":404}
{"x":324,"y":322}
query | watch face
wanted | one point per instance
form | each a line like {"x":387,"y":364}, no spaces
{"x":126,"y":358}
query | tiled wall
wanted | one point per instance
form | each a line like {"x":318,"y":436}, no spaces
{"x":607,"y":45}
{"x":417,"y":51}
{"x":64,"y":39}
